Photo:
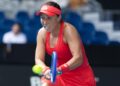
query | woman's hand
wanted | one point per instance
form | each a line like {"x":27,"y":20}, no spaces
{"x":47,"y":74}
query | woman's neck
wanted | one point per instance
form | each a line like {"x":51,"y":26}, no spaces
{"x":56,"y":30}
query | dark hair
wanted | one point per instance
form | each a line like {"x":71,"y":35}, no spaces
{"x":50,"y":3}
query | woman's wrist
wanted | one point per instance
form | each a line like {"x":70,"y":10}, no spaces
{"x":63,"y":68}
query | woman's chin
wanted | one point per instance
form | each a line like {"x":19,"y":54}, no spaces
{"x":47,"y":30}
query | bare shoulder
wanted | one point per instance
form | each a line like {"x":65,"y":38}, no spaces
{"x":70,"y":29}
{"x":70,"y":33}
{"x":41,"y":33}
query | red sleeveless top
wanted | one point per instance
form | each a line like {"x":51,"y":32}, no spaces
{"x":80,"y":74}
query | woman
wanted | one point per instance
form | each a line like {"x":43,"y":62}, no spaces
{"x":57,"y":35}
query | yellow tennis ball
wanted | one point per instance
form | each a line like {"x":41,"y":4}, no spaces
{"x":37,"y":69}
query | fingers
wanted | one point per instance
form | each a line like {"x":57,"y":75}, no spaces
{"x":47,"y":74}
{"x":47,"y":77}
{"x":59,"y":72}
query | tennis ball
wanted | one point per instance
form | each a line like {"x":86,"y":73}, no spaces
{"x":37,"y":69}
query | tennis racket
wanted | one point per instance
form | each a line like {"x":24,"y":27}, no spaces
{"x":53,"y":67}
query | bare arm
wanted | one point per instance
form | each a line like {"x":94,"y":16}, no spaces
{"x":40,"y":49}
{"x":73,"y":40}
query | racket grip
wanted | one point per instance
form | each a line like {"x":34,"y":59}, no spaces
{"x":59,"y":72}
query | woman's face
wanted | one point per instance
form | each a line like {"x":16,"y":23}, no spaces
{"x":49,"y":22}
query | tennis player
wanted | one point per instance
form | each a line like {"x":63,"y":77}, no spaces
{"x":62,"y":37}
